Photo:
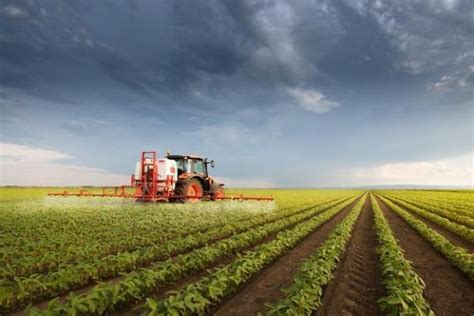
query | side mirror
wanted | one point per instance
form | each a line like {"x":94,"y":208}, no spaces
{"x":212,"y":163}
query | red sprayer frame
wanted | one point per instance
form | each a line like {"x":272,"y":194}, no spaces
{"x":146,"y":188}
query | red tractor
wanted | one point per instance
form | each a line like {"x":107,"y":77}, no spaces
{"x":194,"y":178}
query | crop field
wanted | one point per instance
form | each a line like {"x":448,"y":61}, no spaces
{"x":324,"y":252}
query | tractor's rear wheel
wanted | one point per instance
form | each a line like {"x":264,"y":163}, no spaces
{"x":189,"y":191}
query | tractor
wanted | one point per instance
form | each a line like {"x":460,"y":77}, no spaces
{"x":194,"y":179}
{"x":174,"y":178}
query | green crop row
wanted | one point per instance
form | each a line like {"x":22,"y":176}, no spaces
{"x":446,"y":213}
{"x":70,"y":277}
{"x":460,"y":203}
{"x":137,"y":284}
{"x":304,"y":296}
{"x":141,"y":252}
{"x":40,"y":256}
{"x":451,"y":206}
{"x":79,"y":241}
{"x":54,"y":234}
{"x":197,"y":297}
{"x":460,"y":230}
{"x":457,"y":255}
{"x":404,"y":287}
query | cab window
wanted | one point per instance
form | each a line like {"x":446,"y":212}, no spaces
{"x":184,"y":165}
{"x":198,"y":166}
{"x":180,"y":166}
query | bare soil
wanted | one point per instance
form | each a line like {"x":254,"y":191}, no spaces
{"x":266,"y":286}
{"x":448,"y":290}
{"x":356,"y":286}
{"x":453,"y":238}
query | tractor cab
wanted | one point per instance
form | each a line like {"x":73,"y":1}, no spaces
{"x":188,"y":164}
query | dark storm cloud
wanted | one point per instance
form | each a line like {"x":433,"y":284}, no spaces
{"x":363,"y":52}
{"x":171,"y":48}
{"x":148,"y":45}
{"x":428,"y":35}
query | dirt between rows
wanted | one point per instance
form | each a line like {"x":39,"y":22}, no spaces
{"x":452,"y":237}
{"x":448,"y":290}
{"x":357,"y":285}
{"x":266,"y":286}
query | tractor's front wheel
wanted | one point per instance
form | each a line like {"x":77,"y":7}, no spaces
{"x":189,"y":191}
{"x":218,"y":194}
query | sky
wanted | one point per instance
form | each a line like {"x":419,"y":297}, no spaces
{"x":278,"y":93}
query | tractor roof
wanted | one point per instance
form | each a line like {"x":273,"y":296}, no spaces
{"x":183,"y":156}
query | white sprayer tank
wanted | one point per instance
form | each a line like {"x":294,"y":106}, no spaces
{"x":166,"y":167}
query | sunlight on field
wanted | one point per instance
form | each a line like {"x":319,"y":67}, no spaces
{"x":119,"y":203}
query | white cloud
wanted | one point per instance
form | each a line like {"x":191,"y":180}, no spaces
{"x":53,"y":174}
{"x":443,"y":83}
{"x":85,"y":123}
{"x":21,"y":153}
{"x":247,"y":182}
{"x":13,"y":11}
{"x":312,"y":100}
{"x":28,"y":166}
{"x":454,"y":82}
{"x":454,"y":171}
{"x":441,"y":5}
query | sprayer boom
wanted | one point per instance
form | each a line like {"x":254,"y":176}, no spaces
{"x":175,"y":178}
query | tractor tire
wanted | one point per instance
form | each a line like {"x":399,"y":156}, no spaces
{"x":218,"y":194}
{"x":192,"y":187}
